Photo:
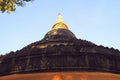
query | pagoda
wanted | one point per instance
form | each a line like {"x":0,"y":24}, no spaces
{"x":61,"y":56}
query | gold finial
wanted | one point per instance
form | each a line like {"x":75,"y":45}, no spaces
{"x":59,"y":18}
{"x":60,"y":23}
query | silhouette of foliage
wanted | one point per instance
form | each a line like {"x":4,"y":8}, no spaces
{"x":10,"y":5}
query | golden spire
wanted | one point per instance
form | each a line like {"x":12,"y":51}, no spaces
{"x":60,"y":18}
{"x":60,"y":23}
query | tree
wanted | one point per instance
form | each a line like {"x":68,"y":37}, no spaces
{"x":10,"y":5}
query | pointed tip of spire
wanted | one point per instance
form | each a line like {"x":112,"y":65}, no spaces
{"x":59,"y":14}
{"x":59,"y":18}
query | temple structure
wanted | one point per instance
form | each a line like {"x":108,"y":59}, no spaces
{"x":61,"y":56}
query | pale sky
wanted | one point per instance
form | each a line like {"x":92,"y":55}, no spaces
{"x":97,"y":21}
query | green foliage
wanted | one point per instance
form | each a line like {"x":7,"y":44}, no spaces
{"x":10,"y":5}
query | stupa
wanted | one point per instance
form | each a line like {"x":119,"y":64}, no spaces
{"x":61,"y":56}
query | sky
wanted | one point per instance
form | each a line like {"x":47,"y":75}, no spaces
{"x":97,"y":21}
